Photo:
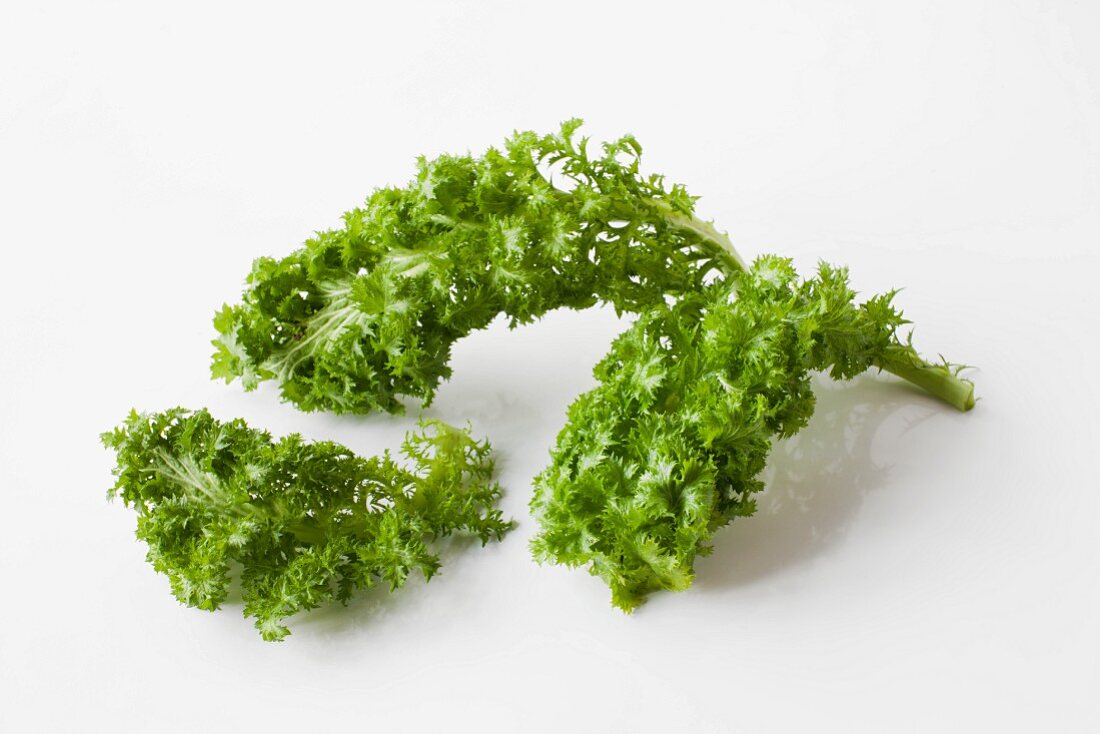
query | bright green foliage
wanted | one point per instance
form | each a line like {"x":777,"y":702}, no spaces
{"x":362,"y":314}
{"x":668,"y":447}
{"x":307,"y":522}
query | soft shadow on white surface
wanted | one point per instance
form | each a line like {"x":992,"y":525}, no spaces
{"x":816,"y":481}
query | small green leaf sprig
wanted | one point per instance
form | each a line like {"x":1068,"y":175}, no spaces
{"x":308,"y":523}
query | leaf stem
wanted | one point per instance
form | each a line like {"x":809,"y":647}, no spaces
{"x":727,"y":256}
{"x":939,"y":380}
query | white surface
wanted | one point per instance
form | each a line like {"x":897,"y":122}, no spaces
{"x":912,"y":569}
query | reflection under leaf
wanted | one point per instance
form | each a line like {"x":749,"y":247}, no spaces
{"x":815,"y":481}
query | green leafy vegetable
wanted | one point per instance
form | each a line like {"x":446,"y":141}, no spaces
{"x":307,"y":522}
{"x":668,"y":447}
{"x":365,"y":313}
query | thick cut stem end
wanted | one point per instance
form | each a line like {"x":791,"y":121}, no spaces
{"x":939,"y":380}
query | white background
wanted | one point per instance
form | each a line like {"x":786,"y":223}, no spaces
{"x":912,"y":569}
